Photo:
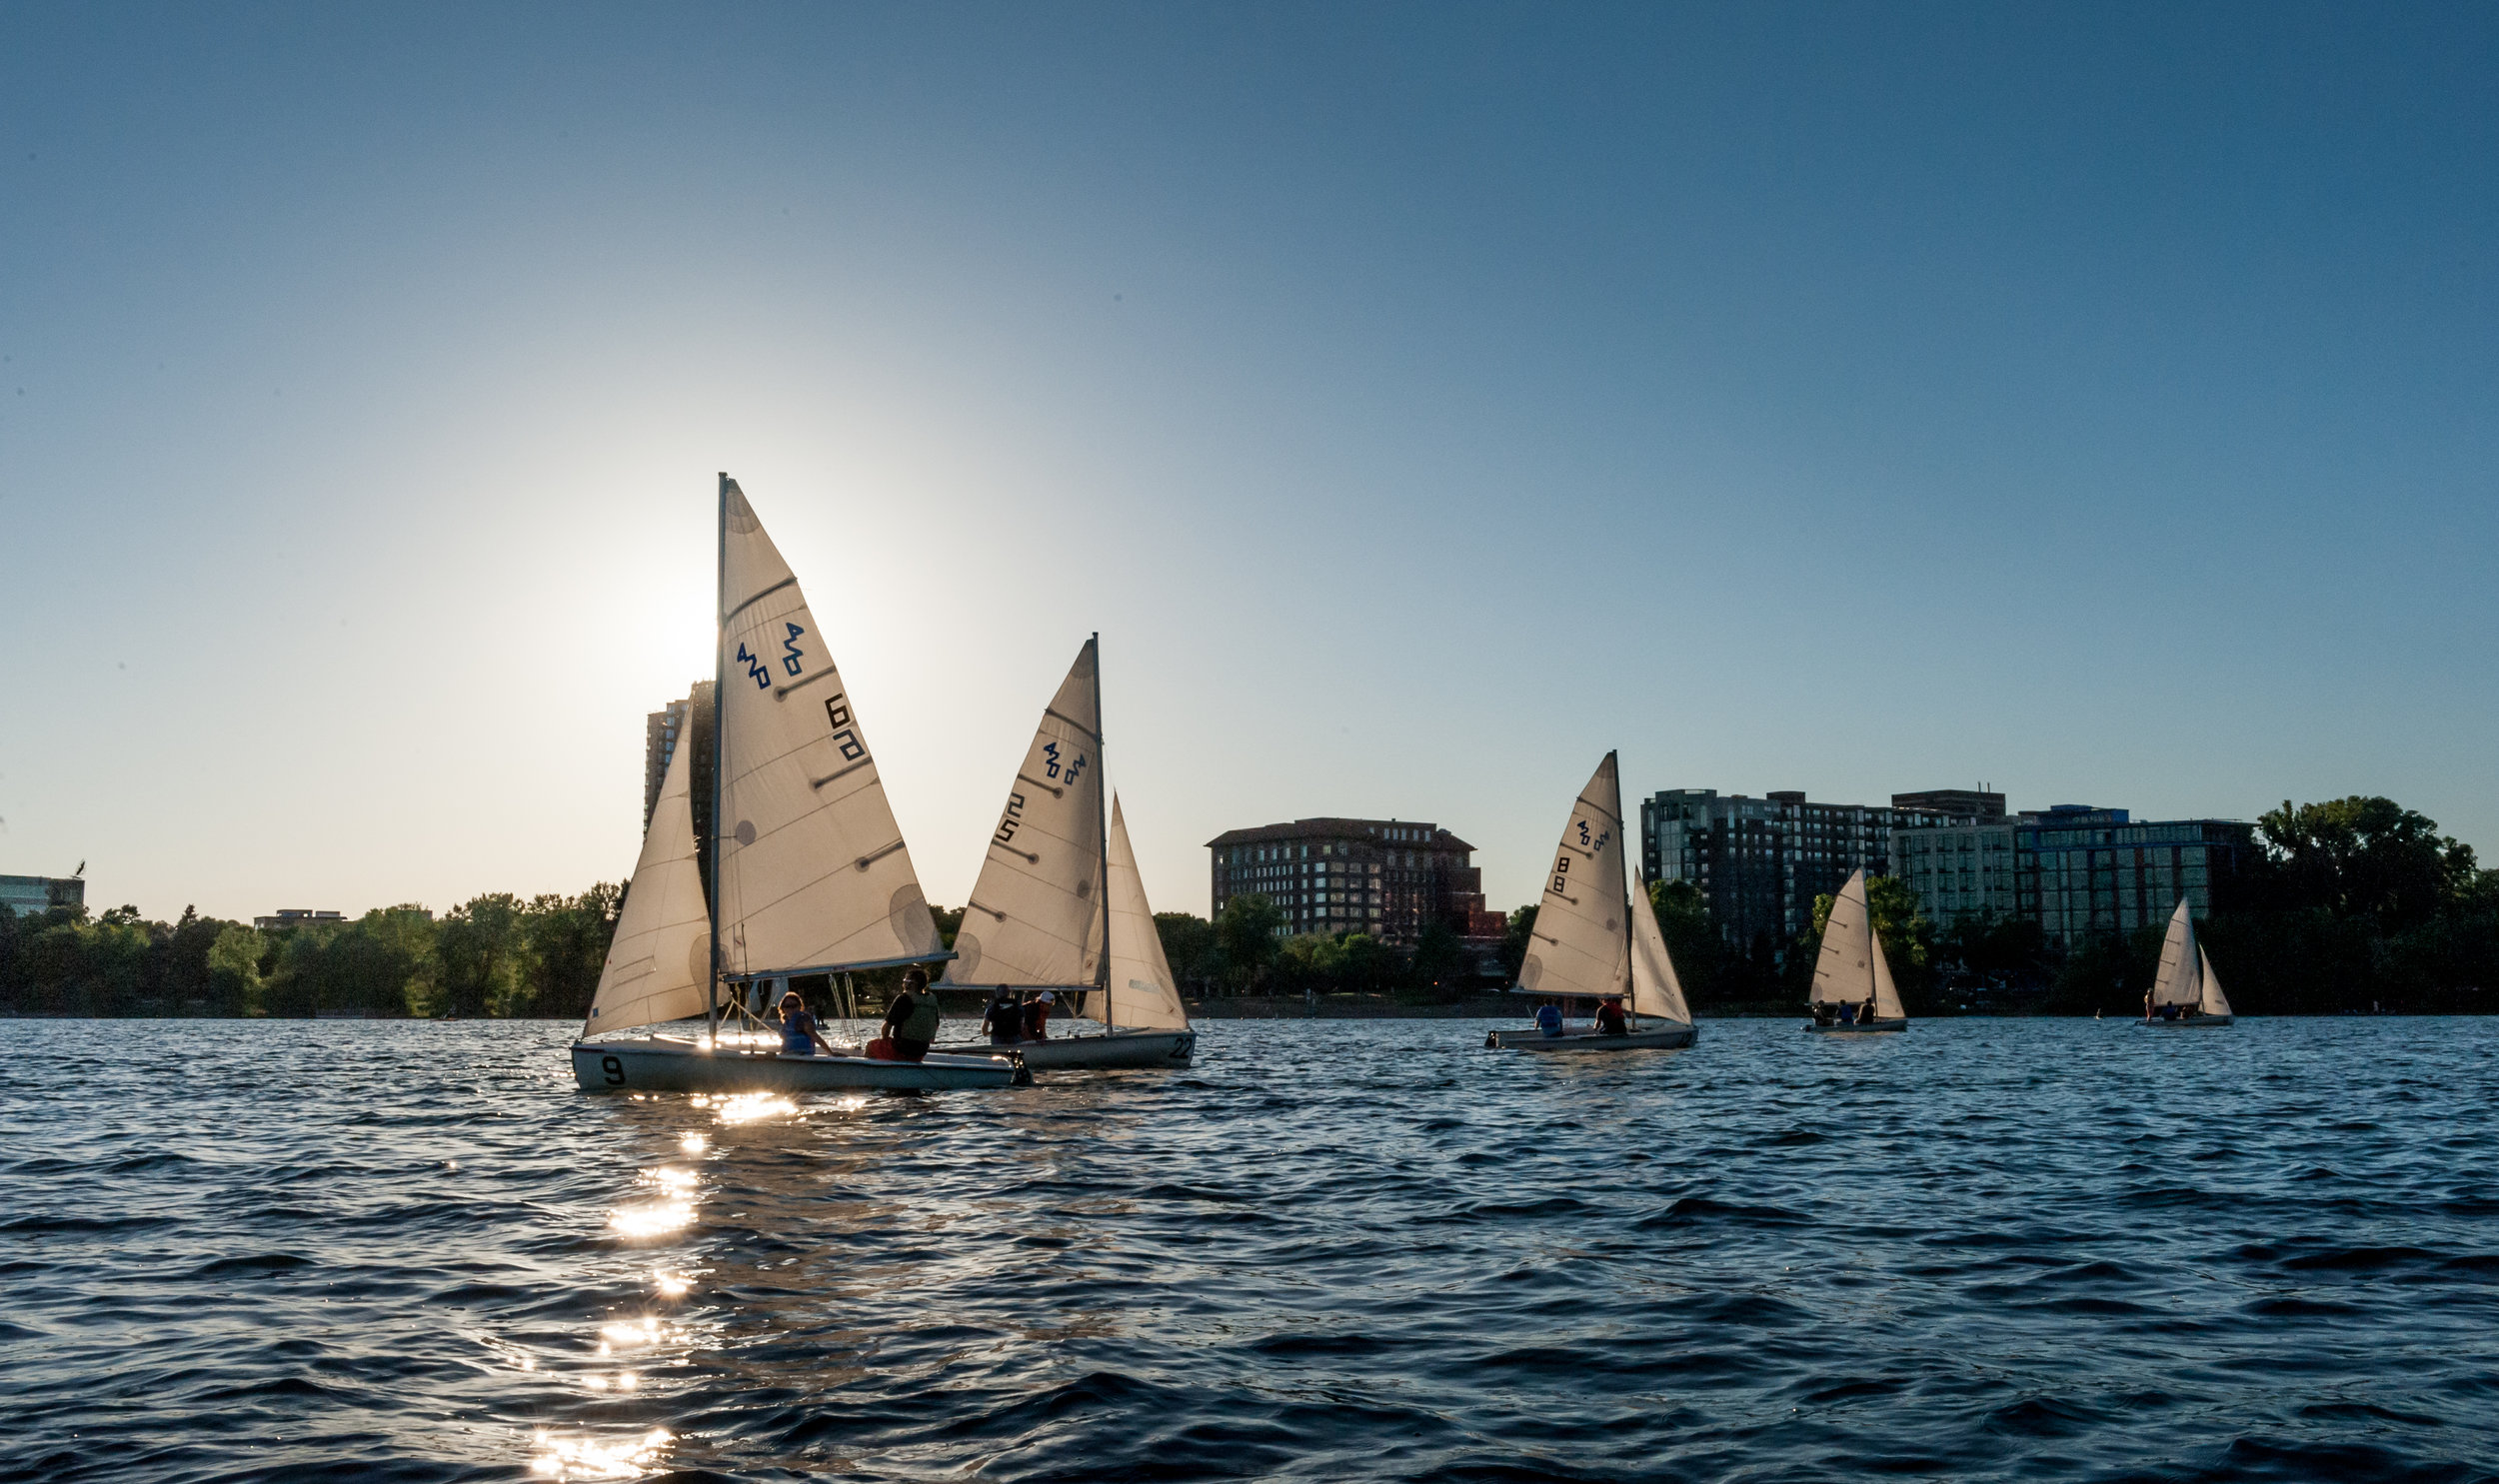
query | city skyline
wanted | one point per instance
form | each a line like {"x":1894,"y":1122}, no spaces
{"x":1421,"y":401}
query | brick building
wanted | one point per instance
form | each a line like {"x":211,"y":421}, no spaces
{"x":1387,"y":877}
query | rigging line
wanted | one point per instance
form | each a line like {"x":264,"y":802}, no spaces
{"x":788,"y":582}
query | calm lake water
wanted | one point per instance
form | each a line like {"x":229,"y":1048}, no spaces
{"x":1988,"y":1249}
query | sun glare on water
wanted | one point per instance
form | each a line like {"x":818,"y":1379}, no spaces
{"x":747,"y":1108}
{"x":579,"y":1458}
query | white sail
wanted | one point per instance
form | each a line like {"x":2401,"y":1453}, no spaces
{"x":2215,"y":1003}
{"x":1581,"y":943}
{"x":1887,"y":994}
{"x":660,"y":956}
{"x":1034,"y":916}
{"x":1844,"y":973}
{"x":1654,"y":988}
{"x":812,"y":870}
{"x":1144,"y":995}
{"x":2179,"y":981}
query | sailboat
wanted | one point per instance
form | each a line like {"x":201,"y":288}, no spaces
{"x":2186,"y":981}
{"x":1038,"y":916}
{"x":1851,"y":969}
{"x":808,"y":872}
{"x":1593,"y":938}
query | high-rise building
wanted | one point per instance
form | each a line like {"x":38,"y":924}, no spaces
{"x":666,"y":729}
{"x":1387,"y":877}
{"x":1978,"y":806}
{"x":2080,"y":873}
{"x":1761,"y":863}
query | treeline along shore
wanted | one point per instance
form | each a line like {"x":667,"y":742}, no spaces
{"x":2356,"y":905}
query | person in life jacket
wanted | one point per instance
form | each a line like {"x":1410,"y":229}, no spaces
{"x":1609,"y":1019}
{"x":1004,"y":1018}
{"x":1037,"y":1016}
{"x":910,"y":1021}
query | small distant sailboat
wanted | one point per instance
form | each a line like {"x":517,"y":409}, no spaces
{"x":2187,"y":983}
{"x":1594,"y":937}
{"x":1038,"y":916}
{"x":812,"y":877}
{"x":1852,"y":971}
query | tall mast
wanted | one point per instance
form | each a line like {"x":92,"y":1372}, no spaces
{"x":1625,"y":878}
{"x":720,"y":630}
{"x":1101,"y":833}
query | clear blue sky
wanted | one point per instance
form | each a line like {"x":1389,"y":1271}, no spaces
{"x":1420,"y":400}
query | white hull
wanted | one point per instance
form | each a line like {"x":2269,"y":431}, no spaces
{"x":1119,"y":1050}
{"x":1663,"y":1039}
{"x":1879,"y":1028}
{"x":2199,"y":1022}
{"x":655,"y":1065}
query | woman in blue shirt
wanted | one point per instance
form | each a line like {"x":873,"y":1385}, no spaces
{"x":799,"y":1035}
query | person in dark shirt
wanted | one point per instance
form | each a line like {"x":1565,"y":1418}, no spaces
{"x":798,"y":1033}
{"x":1037,"y":1016}
{"x":1609,"y":1019}
{"x":1004,"y":1018}
{"x":910,"y":1021}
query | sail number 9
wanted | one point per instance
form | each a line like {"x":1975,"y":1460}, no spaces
{"x":612,"y":1069}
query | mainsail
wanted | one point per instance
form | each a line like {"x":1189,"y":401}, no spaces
{"x":813,"y":872}
{"x":2178,"y":982}
{"x":1581,"y":943}
{"x":1034,"y":916}
{"x":1144,"y":995}
{"x":1844,"y":973}
{"x":2215,"y":1003}
{"x":1654,"y":988}
{"x":660,"y":956}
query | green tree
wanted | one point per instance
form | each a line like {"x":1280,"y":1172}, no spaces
{"x":1437,"y":969}
{"x":568,"y":949}
{"x":1246,"y":931}
{"x":234,"y":977}
{"x":478,"y":956}
{"x":1189,"y":945}
{"x":1514,"y":939}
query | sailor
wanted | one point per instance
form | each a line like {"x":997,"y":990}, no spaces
{"x":1865,"y":1015}
{"x":1609,"y":1019}
{"x":799,"y":1035}
{"x":910,"y":1021}
{"x":1825,"y":1013}
{"x":1549,"y":1018}
{"x":1037,"y":1016}
{"x":1002,"y":1018}
{"x":1847,"y":1014}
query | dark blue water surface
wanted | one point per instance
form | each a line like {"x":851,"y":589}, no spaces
{"x":1988,"y":1249}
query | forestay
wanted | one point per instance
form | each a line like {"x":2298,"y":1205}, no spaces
{"x":1144,"y":995}
{"x":1654,"y":988}
{"x":812,"y":870}
{"x":1034,"y":916}
{"x":2178,"y":981}
{"x":660,"y":956}
{"x":2214,"y":1002}
{"x":1581,"y":943}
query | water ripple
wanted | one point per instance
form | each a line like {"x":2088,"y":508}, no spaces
{"x":1988,"y":1250}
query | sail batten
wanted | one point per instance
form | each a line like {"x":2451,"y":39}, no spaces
{"x":812,"y":866}
{"x":661,"y":952}
{"x":1041,"y":922}
{"x":1580,"y":921}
